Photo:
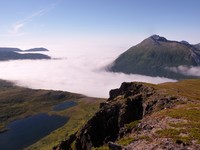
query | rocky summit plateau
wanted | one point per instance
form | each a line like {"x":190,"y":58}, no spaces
{"x":156,"y":56}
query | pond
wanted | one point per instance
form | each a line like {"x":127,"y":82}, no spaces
{"x":27,"y":131}
{"x":64,"y":105}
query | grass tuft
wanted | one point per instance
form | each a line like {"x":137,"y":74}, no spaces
{"x":104,"y":147}
{"x":125,"y":141}
{"x":132,"y":124}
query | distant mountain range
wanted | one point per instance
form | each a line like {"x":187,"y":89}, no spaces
{"x":155,"y":56}
{"x":40,"y":49}
{"x":9,"y":49}
{"x":7,"y":53}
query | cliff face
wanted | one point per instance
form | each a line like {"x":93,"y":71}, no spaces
{"x":118,"y":118}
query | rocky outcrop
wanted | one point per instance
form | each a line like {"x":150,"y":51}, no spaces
{"x":131,"y":102}
{"x":114,"y":146}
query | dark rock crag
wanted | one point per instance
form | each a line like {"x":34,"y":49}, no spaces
{"x":131,"y":102}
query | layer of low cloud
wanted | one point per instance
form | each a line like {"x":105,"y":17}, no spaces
{"x":187,"y":70}
{"x":81,"y":74}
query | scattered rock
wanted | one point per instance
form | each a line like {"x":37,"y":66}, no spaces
{"x":114,"y":146}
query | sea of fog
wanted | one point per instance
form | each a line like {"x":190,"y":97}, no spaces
{"x":74,"y":71}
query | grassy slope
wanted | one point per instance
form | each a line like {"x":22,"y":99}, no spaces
{"x":151,"y":59}
{"x":18,"y":102}
{"x":187,"y":131}
{"x":188,"y":88}
{"x":78,"y":116}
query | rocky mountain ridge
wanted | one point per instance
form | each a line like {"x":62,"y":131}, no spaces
{"x":135,"y":114}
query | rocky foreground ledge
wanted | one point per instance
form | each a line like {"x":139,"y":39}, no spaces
{"x":140,"y":116}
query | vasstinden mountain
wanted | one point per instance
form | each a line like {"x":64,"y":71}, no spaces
{"x":155,"y":56}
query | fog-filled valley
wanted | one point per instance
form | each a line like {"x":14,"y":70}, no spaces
{"x":99,"y":75}
{"x":80,"y":71}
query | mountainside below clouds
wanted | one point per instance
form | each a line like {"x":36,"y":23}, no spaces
{"x":144,"y":117}
{"x":197,"y":46}
{"x":12,"y":54}
{"x":155,"y":56}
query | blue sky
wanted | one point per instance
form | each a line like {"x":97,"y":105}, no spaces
{"x":87,"y":23}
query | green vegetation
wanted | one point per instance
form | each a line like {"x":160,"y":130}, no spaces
{"x":144,"y":137}
{"x":188,"y":88}
{"x":125,"y":140}
{"x":78,"y":116}
{"x":190,"y":129}
{"x":152,"y":58}
{"x":104,"y":147}
{"x":184,"y":131}
{"x":18,"y":102}
{"x":169,"y":133}
{"x":132,"y":124}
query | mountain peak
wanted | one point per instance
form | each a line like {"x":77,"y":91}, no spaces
{"x":155,"y":54}
{"x":185,"y":42}
{"x":158,"y":38}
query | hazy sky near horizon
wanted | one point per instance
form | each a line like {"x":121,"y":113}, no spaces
{"x":95,"y":23}
{"x":88,"y":35}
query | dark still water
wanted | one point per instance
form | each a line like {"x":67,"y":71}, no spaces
{"x":64,"y":105}
{"x":25,"y":132}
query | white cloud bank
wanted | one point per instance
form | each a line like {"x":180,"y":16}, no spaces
{"x":187,"y":70}
{"x":80,"y":74}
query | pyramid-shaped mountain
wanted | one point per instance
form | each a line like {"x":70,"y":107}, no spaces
{"x":155,"y":56}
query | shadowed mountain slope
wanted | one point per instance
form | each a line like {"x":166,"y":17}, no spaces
{"x":155,"y":56}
